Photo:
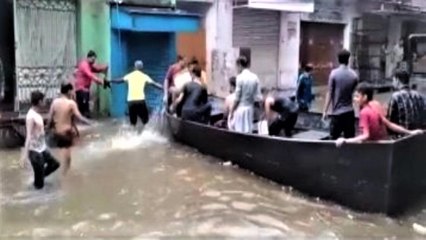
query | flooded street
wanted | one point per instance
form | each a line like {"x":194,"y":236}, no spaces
{"x":146,"y":186}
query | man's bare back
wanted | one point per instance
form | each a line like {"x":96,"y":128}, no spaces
{"x":63,"y":114}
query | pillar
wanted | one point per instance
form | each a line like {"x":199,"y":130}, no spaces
{"x":220,"y":54}
{"x":288,"y":59}
{"x":94,"y":34}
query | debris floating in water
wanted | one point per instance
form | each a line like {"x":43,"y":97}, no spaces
{"x":419,"y":228}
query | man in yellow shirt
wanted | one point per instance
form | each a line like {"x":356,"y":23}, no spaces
{"x":137,"y":81}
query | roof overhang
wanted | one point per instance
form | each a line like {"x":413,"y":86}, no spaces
{"x":301,"y":6}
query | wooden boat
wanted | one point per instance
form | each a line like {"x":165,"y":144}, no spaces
{"x":383,"y":177}
{"x":12,"y":130}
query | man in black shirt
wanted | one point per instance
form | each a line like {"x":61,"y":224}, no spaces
{"x":406,"y":107}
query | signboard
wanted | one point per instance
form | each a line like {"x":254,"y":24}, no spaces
{"x":278,"y":5}
{"x":150,"y":3}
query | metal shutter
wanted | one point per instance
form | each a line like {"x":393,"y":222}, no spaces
{"x":259,"y":30}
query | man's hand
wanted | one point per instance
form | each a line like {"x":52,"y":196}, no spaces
{"x":24,"y":160}
{"x":324,"y":116}
{"x":417,"y":132}
{"x":107,"y":84}
{"x":340,"y":142}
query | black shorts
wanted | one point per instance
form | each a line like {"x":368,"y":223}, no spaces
{"x":65,"y":140}
{"x":138,"y":109}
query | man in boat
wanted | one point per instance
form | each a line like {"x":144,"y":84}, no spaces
{"x":304,"y":94}
{"x":247,"y":92}
{"x":42,"y":161}
{"x":372,"y":123}
{"x":194,"y":99}
{"x":169,"y":84}
{"x":62,"y":115}
{"x":86,"y":74}
{"x":281,"y":113}
{"x":229,"y":103}
{"x":341,"y":86}
{"x":137,"y":80}
{"x":406,"y":107}
{"x":194,"y":62}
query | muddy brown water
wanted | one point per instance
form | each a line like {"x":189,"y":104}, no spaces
{"x":126,"y":186}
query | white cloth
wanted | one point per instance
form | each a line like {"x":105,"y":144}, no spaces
{"x":36,"y":137}
{"x":247,"y":91}
{"x":242,"y":120}
{"x":181,"y":79}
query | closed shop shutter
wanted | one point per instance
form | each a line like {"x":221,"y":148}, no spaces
{"x":46,"y":51}
{"x":259,"y":30}
{"x":156,"y":50}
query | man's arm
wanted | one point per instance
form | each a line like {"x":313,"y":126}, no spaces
{"x":50,"y":121}
{"x":78,"y":115}
{"x":29,"y":129}
{"x":330,"y":94}
{"x":392,"y":113}
{"x":87,"y":70}
{"x":237,"y":97}
{"x":268,"y":113}
{"x":99,"y":68}
{"x":398,"y":129}
{"x":364,"y":136}
{"x":155,"y":84}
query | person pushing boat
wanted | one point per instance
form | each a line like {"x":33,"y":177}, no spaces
{"x":286,"y":113}
{"x":137,"y":80}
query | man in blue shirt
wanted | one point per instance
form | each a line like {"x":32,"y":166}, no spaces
{"x":304,"y":94}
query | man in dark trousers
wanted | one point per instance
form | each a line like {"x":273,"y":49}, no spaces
{"x":406,"y":106}
{"x":85,"y":75}
{"x":341,"y":86}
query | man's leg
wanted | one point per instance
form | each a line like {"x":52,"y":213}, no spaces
{"x":349,"y":125}
{"x":143,"y":112}
{"x":51,"y":162}
{"x":37,"y":163}
{"x":335,"y":127}
{"x":289,"y":124}
{"x":275,"y":127}
{"x":133,"y":114}
{"x":83,"y":98}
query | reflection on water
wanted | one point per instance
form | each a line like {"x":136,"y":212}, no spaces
{"x":138,"y":186}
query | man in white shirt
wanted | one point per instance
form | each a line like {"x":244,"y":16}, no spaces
{"x":246,"y":94}
{"x":35,"y":150}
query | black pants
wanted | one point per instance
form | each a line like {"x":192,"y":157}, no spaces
{"x":200,"y":114}
{"x":43,"y":165}
{"x":287,"y":124}
{"x":343,"y":123}
{"x":138,"y":109}
{"x":83,"y":99}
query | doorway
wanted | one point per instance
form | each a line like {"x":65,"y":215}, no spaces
{"x":7,"y":56}
{"x":320,"y":44}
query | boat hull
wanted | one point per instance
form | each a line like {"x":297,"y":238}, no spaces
{"x":371,"y":177}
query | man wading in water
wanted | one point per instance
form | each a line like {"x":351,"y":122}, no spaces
{"x":137,"y":80}
{"x":35,"y":150}
{"x":61,"y":121}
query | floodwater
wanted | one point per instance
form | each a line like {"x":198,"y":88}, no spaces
{"x":127,"y":186}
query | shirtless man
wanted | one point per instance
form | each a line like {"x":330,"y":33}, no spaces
{"x":61,"y":120}
{"x":35,"y":149}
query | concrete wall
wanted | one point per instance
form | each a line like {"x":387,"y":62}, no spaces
{"x":94,"y":34}
{"x":220,"y":54}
